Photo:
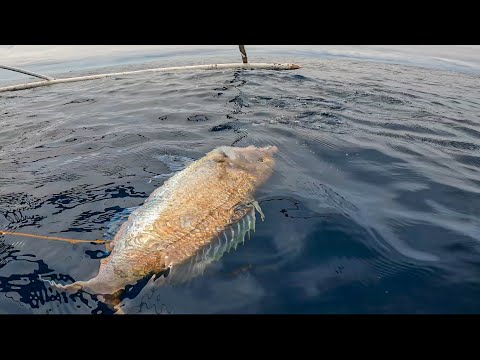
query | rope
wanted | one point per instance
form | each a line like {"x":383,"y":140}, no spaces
{"x":25,"y":72}
{"x":55,"y":238}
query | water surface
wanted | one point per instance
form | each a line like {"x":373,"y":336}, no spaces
{"x":373,"y":207}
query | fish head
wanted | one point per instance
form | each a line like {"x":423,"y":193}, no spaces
{"x":258,"y":162}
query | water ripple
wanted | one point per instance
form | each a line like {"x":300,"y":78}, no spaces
{"x":375,"y":196}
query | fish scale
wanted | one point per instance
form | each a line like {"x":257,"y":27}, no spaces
{"x":213,"y":251}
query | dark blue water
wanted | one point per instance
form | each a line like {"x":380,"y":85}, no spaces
{"x":374,"y":206}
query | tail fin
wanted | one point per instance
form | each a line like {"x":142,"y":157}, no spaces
{"x":74,"y":287}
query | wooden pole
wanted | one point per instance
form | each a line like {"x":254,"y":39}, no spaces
{"x":244,"y":53}
{"x":245,"y":66}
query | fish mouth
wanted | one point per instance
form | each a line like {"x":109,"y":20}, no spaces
{"x":269,"y":148}
{"x":272,"y":149}
{"x":252,"y":149}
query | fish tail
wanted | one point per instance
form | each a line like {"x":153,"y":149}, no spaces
{"x":74,"y":287}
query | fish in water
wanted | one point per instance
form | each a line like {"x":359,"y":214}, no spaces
{"x":191,"y":220}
